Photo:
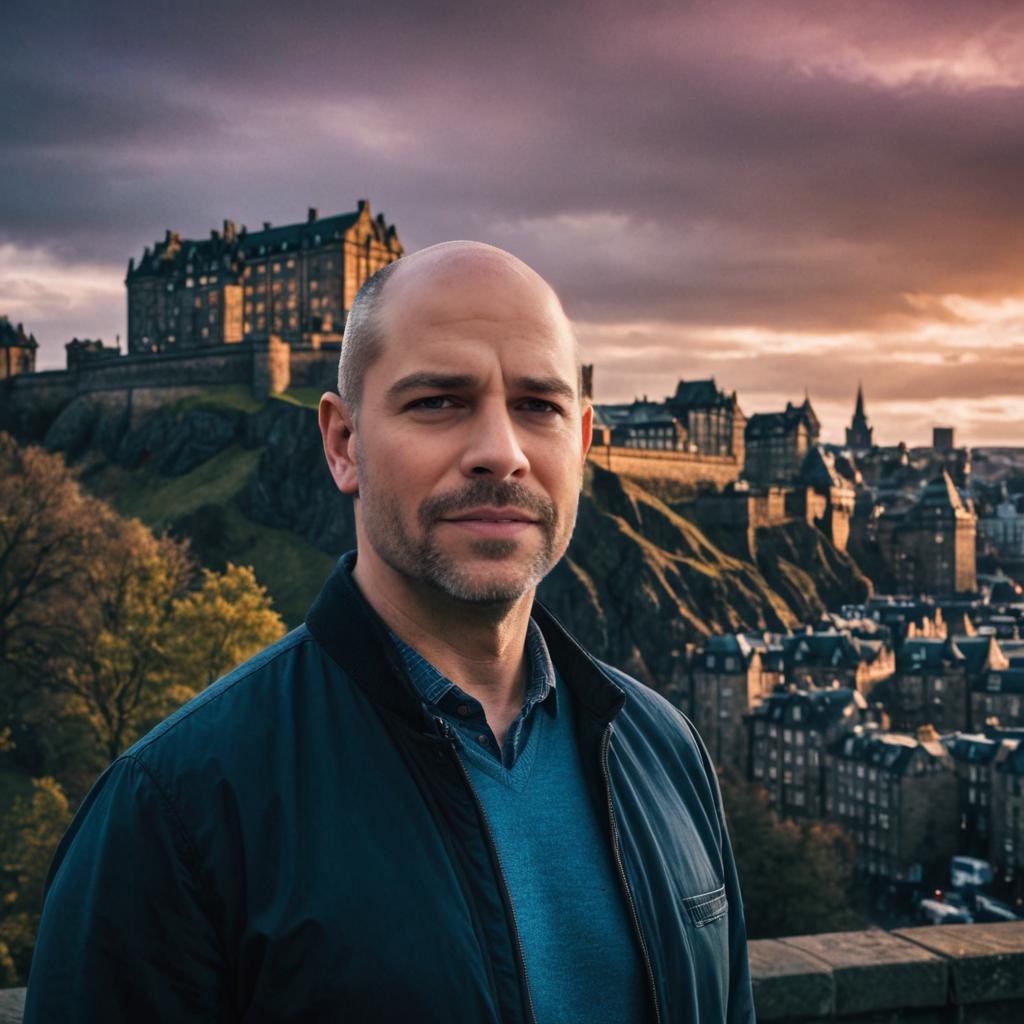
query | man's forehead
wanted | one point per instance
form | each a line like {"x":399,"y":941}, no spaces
{"x":460,"y":283}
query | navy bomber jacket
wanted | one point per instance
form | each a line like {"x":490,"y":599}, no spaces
{"x":300,"y":843}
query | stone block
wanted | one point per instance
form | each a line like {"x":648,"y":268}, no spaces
{"x":12,"y":1005}
{"x":874,"y":970}
{"x":789,"y":983}
{"x":986,"y":961}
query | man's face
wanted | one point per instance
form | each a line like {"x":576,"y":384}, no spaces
{"x":470,"y":438}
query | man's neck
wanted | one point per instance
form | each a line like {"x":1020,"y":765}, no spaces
{"x":481,"y":648}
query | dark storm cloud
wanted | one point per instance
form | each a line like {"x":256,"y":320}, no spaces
{"x":722,"y":164}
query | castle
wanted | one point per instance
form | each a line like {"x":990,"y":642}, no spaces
{"x":263,"y":309}
{"x":295,"y":282}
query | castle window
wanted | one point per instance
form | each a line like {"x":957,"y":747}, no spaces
{"x":316,"y":239}
{"x":330,"y":264}
{"x":277,"y":268}
{"x":202,"y":280}
{"x":313,"y":285}
{"x":188,"y":282}
{"x":206,"y":332}
{"x":247,"y":327}
{"x":213,"y":280}
{"x":170,"y":287}
{"x":290,"y":264}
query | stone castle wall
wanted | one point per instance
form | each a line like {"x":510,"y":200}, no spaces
{"x":30,"y":402}
{"x":685,"y":468}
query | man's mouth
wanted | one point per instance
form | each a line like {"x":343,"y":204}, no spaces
{"x":491,"y":515}
{"x":492,"y":522}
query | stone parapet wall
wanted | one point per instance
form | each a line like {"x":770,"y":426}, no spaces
{"x":225,"y":364}
{"x":679,"y":467}
{"x":935,"y":975}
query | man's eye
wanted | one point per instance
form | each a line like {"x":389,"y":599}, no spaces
{"x":539,"y":405}
{"x":432,"y":402}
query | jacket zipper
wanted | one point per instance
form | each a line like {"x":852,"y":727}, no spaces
{"x":617,"y":853}
{"x":506,"y":896}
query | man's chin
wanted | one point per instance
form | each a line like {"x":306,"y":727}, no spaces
{"x":490,"y":581}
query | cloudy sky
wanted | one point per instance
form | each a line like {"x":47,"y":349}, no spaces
{"x":784,"y":195}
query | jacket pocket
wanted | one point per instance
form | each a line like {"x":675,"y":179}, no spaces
{"x":707,"y":907}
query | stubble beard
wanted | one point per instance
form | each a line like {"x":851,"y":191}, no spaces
{"x":421,"y":559}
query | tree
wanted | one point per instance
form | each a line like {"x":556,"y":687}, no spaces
{"x":228,"y":619}
{"x":48,"y":535}
{"x":797,"y":878}
{"x":114,"y":674}
{"x":30,"y":834}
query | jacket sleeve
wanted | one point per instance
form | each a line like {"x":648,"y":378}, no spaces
{"x":125,"y":933}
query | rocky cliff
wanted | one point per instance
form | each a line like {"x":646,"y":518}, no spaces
{"x":248,"y":483}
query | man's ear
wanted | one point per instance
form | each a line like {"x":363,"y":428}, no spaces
{"x":587,"y":425}
{"x":337,"y":428}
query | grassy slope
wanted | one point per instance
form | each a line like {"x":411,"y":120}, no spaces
{"x":288,"y":566}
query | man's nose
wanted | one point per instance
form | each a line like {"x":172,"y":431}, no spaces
{"x":493,"y":445}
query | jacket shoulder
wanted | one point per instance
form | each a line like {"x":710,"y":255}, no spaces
{"x":251,"y":688}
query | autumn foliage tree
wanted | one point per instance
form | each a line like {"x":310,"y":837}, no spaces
{"x":797,"y":878}
{"x":104,"y":630}
{"x":102,"y":622}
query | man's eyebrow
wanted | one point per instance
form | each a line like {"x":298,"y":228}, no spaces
{"x":546,"y":386}
{"x":432,"y":381}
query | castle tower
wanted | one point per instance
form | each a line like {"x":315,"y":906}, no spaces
{"x":17,"y":349}
{"x":859,"y":436}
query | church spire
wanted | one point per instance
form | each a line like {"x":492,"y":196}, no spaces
{"x":859,"y":435}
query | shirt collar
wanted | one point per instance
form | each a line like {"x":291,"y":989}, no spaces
{"x":435,"y":688}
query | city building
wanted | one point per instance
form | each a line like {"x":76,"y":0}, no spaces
{"x":819,"y":659}
{"x":1007,"y":834}
{"x":295,"y":282}
{"x":859,"y":435}
{"x":896,"y":796}
{"x":788,"y":735}
{"x":824,"y":497}
{"x":728,"y":679}
{"x":700,"y":418}
{"x":778,"y":442}
{"x":1004,"y":529}
{"x":17,"y":349}
{"x":81,"y":351}
{"x":930,"y":549}
{"x":998,"y":693}
{"x":975,"y":756}
{"x":930,"y":686}
{"x":711,"y":417}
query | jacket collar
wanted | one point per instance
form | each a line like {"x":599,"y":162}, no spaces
{"x":342,"y":621}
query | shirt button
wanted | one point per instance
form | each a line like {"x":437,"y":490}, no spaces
{"x":482,"y":740}
{"x":463,"y":710}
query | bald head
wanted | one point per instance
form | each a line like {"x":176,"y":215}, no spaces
{"x":453,"y":281}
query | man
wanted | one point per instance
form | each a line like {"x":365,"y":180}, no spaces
{"x":427,"y":803}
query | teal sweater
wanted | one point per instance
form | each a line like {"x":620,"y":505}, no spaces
{"x":581,"y":958}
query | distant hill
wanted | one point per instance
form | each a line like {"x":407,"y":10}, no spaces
{"x":248,"y":483}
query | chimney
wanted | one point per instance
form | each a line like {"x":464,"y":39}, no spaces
{"x":312,"y":214}
{"x":229,"y":231}
{"x":363,"y":204}
{"x":266,"y":225}
{"x":214,"y":235}
{"x":167,"y":235}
